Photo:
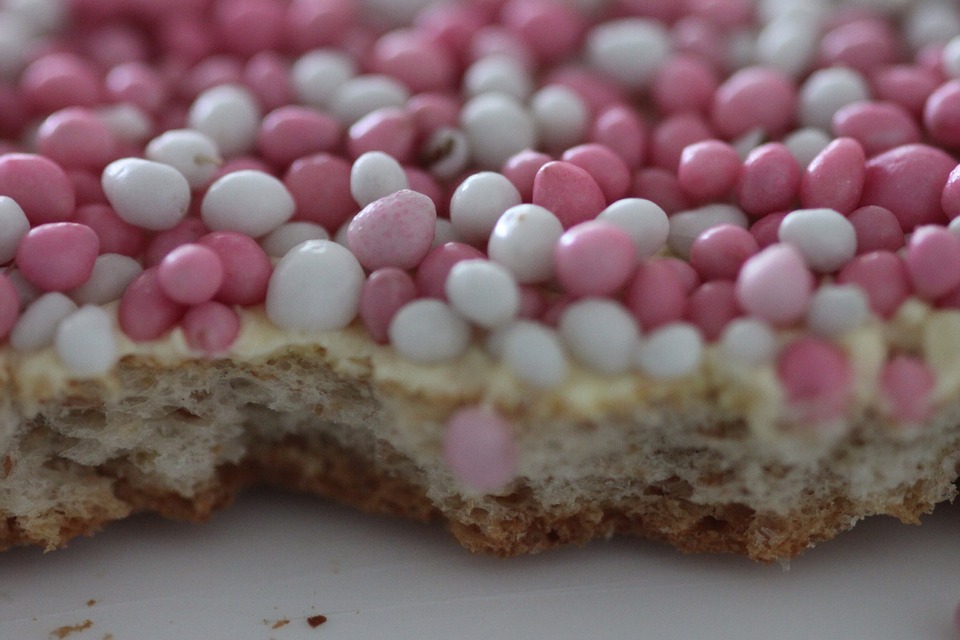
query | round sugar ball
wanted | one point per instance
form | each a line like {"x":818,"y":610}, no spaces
{"x":836,"y":309}
{"x":316,"y":286}
{"x":362,"y":95}
{"x":671,"y":351}
{"x":534,"y":353}
{"x":826,"y":91}
{"x":85,"y":341}
{"x":13,"y":226}
{"x":629,"y":50}
{"x":374,"y":175}
{"x":429,"y":331}
{"x":825,"y":237}
{"x":146,"y":194}
{"x":600,"y":333}
{"x":497,"y":126}
{"x":190,"y":152}
{"x":523,"y":241}
{"x":477,"y":204}
{"x":483,"y":292}
{"x":644,"y":220}
{"x":37,"y":325}
{"x":285,"y":237}
{"x":229,"y":115}
{"x":806,"y":144}
{"x":748,"y":340}
{"x":111,"y":274}
{"x":561,"y":116}
{"x":248,"y":201}
{"x":317,"y":75}
{"x":499,"y":73}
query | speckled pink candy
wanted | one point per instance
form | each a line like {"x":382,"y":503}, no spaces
{"x":394,"y":231}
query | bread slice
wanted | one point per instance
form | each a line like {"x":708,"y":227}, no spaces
{"x":705,"y":463}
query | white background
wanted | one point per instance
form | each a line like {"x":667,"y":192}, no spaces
{"x":275,"y":557}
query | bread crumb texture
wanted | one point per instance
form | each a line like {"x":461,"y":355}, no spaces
{"x":705,"y":463}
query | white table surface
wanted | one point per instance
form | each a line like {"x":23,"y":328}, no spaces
{"x":273,"y":558}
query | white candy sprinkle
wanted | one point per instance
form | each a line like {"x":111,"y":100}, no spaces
{"x":147,"y":194}
{"x":111,"y":274}
{"x":931,"y":21}
{"x":428,"y":331}
{"x":951,"y":57}
{"x":523,"y":241}
{"x":954,"y":226}
{"x":600,"y":333}
{"x":749,"y":141}
{"x":561,"y":116}
{"x":644,"y":220}
{"x":825,"y":237}
{"x":671,"y":351}
{"x":770,"y":10}
{"x":365,"y":94}
{"x":230,"y":115}
{"x":477,"y":204}
{"x":127,"y":122}
{"x":497,"y":126}
{"x":375,"y":175}
{"x":190,"y":152}
{"x":534,"y":353}
{"x":741,"y":48}
{"x":448,"y":151}
{"x":827,"y":91}
{"x":39,"y":16}
{"x":318,"y":74}
{"x":749,"y":341}
{"x":85,"y":342}
{"x":25,"y":291}
{"x":15,"y":43}
{"x":483,"y":292}
{"x":315,"y":286}
{"x":13,"y":226}
{"x":285,"y":237}
{"x":443,"y":233}
{"x":629,"y":50}
{"x":806,"y":144}
{"x":836,"y":309}
{"x":789,"y":43}
{"x":685,"y":226}
{"x":249,"y":201}
{"x":37,"y":325}
{"x":497,"y":73}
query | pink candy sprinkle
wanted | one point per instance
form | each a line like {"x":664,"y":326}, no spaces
{"x":320,"y":185}
{"x":521,"y":170}
{"x":58,"y":256}
{"x":673,"y":135}
{"x":115,"y":234}
{"x":9,"y":306}
{"x":878,"y":126}
{"x":606,"y":167}
{"x":394,"y":231}
{"x":390,"y":130}
{"x":877,"y":229}
{"x":932,"y":260}
{"x":246,"y":267}
{"x":145,"y":312}
{"x":76,"y":138}
{"x":769,"y":181}
{"x":621,"y":129}
{"x":594,"y":259}
{"x":384,"y":293}
{"x":190,"y":274}
{"x":479,"y":448}
{"x":684,"y":83}
{"x":210,"y":327}
{"x":908,"y":181}
{"x":834,"y":179}
{"x":656,"y":295}
{"x":712,"y":306}
{"x":906,"y":385}
{"x":431,"y":277}
{"x":417,"y":61}
{"x":39,"y":186}
{"x":775,"y":285}
{"x":941,"y":115}
{"x":755,"y":97}
{"x":291,"y":132}
{"x":817,"y":379}
{"x":719,"y":252}
{"x":882,"y":276}
{"x":569,"y":192}
{"x":708,"y":170}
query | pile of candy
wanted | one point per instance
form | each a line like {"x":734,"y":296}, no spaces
{"x":615,"y":183}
